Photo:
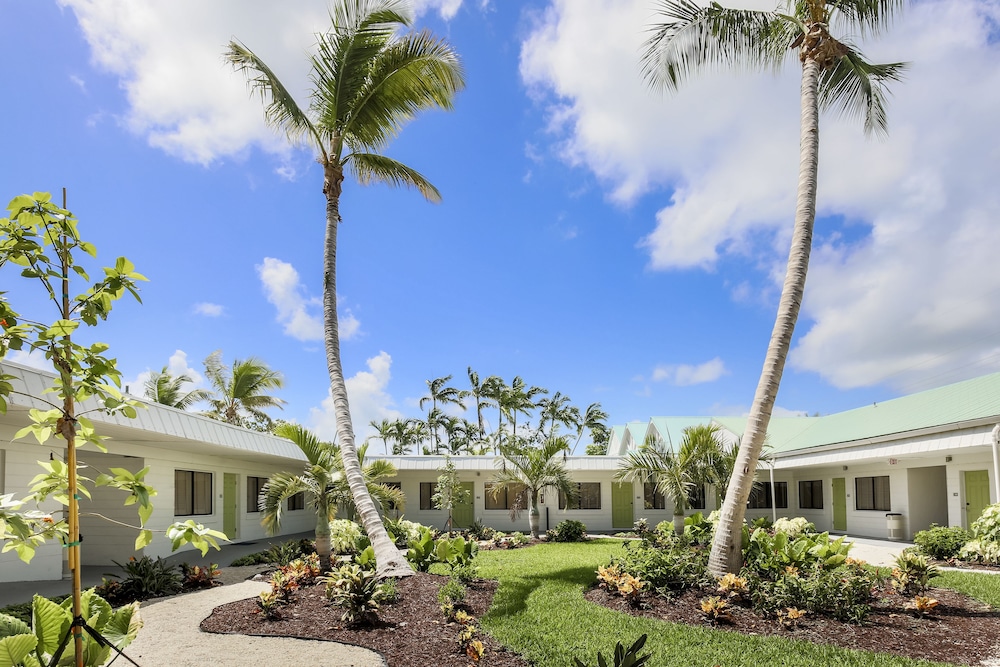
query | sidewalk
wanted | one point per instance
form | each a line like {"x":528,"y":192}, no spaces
{"x":93,"y":575}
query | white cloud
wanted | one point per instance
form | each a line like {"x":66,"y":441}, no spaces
{"x":30,"y":358}
{"x":208,"y":309}
{"x":686,"y":375}
{"x":284,"y":292}
{"x":177,"y":365}
{"x":369,"y":401}
{"x":900,"y":287}
{"x":181,"y":96}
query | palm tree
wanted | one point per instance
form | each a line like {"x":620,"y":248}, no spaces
{"x":367,"y":82}
{"x":558,"y":410}
{"x":385,"y":431}
{"x":239,"y":392}
{"x":481,"y":393}
{"x":594,"y":420}
{"x":518,"y":398}
{"x":834,"y":73}
{"x":528,"y":470}
{"x":441,"y":393}
{"x":166,"y":388}
{"x":678,"y":474}
{"x":324,"y":484}
{"x":493,"y":389}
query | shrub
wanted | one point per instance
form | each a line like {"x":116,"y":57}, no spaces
{"x":285,"y":552}
{"x":356,"y":591}
{"x":793,"y":527}
{"x":141,"y":579}
{"x":985,"y":544}
{"x":669,"y":569}
{"x":421,"y":551}
{"x":844,"y":593}
{"x":568,"y":531}
{"x":450,"y":596}
{"x":771,"y":554}
{"x":257,"y":558}
{"x":698,"y":529}
{"x":269,"y":604}
{"x":912,"y":573}
{"x":942,"y":542}
{"x":402,"y":531}
{"x":715,"y":609}
{"x":196,"y":576}
{"x":479,"y":531}
{"x":345,"y":536}
{"x":623,"y":657}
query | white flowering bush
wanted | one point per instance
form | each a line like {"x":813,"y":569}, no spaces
{"x":985,"y":544}
{"x":793,"y":527}
{"x":344,"y":536}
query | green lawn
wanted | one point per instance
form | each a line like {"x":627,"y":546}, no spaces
{"x":985,"y":587}
{"x":540,"y":612}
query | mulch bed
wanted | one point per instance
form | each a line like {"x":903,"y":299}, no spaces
{"x":411,"y":632}
{"x":961,"y":630}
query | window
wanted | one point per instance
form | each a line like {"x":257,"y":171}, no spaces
{"x":872,"y":493}
{"x":760,"y":496}
{"x":696,"y":497}
{"x":254,"y":487}
{"x":192,"y":493}
{"x":588,"y":497}
{"x":653,"y":499}
{"x":811,"y":495}
{"x":505,"y":498}
{"x":297,"y":501}
{"x":427,"y":495}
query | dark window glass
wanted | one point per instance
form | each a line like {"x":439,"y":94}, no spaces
{"x":192,"y":493}
{"x":872,"y":493}
{"x":653,"y":499}
{"x":255,"y":485}
{"x":588,"y":497}
{"x":297,"y":501}
{"x":426,"y":495}
{"x":811,"y":495}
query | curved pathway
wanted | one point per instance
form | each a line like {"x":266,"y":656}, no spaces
{"x":170,"y":637}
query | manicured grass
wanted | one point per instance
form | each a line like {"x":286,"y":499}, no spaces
{"x":540,"y":612}
{"x":985,"y":587}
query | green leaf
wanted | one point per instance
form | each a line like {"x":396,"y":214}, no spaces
{"x":13,"y":626}
{"x":124,"y":626}
{"x":61,"y":328}
{"x":50,"y":623}
{"x":143,"y":539}
{"x":14,"y":649}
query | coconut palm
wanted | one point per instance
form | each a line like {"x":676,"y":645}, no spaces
{"x":385,"y":430}
{"x":325,"y":485}
{"x":676,"y":474}
{"x":480,"y":392}
{"x":440,"y":393}
{"x":239,"y":393}
{"x":166,"y":388}
{"x":527,"y":470}
{"x":518,"y":398}
{"x":594,"y":420}
{"x":558,"y":410}
{"x":367,"y":80}
{"x":834,"y":73}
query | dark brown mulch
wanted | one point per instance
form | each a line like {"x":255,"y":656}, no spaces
{"x":411,"y":632}
{"x":961,"y":630}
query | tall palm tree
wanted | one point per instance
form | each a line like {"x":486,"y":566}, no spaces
{"x":594,"y":420}
{"x":518,"y":398}
{"x":834,"y":73}
{"x":367,"y":82}
{"x":480,"y":392}
{"x":493,"y":389}
{"x":324,"y":484}
{"x":239,"y":393}
{"x":166,"y":388}
{"x":676,"y":474}
{"x":528,"y":470}
{"x":440,"y":392}
{"x":558,"y":409}
{"x":385,"y":429}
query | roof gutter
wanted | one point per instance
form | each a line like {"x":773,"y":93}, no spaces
{"x":996,"y":461}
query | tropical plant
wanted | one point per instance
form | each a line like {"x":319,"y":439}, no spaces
{"x":527,"y":470}
{"x":448,"y":491}
{"x":942,"y":542}
{"x":239,"y":393}
{"x":143,"y":578}
{"x":623,"y":657}
{"x":40,"y":644}
{"x":440,"y":392}
{"x":368,"y":80}
{"x":558,"y":410}
{"x":568,"y":531}
{"x":985,"y":543}
{"x":386,"y":430}
{"x":834,"y":73}
{"x":168,"y":389}
{"x":357,"y":591}
{"x":594,"y":420}
{"x":676,"y":474}
{"x":518,"y":398}
{"x":324,"y":484}
{"x":480,"y":393}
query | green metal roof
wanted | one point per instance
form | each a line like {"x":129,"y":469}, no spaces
{"x":671,"y":429}
{"x":978,"y":398}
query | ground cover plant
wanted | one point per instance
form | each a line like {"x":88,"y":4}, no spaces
{"x":543,"y":612}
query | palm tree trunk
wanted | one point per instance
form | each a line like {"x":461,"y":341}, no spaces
{"x":534,"y":516}
{"x":726,"y":555}
{"x":323,"y":548}
{"x":389,"y":561}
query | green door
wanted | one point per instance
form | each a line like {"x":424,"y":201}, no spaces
{"x":462,"y":514}
{"x":230,"y":508}
{"x":839,"y":504}
{"x":621,"y":506}
{"x":977,"y":494}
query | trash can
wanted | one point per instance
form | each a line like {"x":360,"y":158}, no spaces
{"x":894,"y":526}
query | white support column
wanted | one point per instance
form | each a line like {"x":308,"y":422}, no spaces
{"x":774,"y":495}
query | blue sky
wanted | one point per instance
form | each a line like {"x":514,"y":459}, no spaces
{"x":595,"y":238}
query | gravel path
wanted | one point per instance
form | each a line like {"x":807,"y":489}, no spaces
{"x":170,"y":637}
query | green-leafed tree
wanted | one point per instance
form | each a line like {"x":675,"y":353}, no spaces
{"x":239,"y":392}
{"x":439,"y":393}
{"x":594,"y":420}
{"x":480,"y":393}
{"x":324,"y":484}
{"x":168,"y":389}
{"x":558,"y":410}
{"x":834,"y":74}
{"x":386,"y":431}
{"x":367,"y":80}
{"x":676,"y":474}
{"x":518,"y":398}
{"x":528,"y":469}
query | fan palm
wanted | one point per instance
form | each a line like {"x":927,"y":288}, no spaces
{"x":676,"y":474}
{"x":239,"y":393}
{"x":324,"y":484}
{"x":834,"y":74}
{"x":166,"y":388}
{"x":367,"y":82}
{"x":527,"y":470}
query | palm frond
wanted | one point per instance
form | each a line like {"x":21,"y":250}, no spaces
{"x":278,"y":488}
{"x":868,"y":17}
{"x":370,"y":168}
{"x":317,"y":452}
{"x":694,"y":37}
{"x":281,"y":111}
{"x":858,"y":89}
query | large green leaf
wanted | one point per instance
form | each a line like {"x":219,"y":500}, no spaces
{"x":50,"y":622}
{"x":10,"y":626}
{"x":14,"y":649}
{"x":124,"y":625}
